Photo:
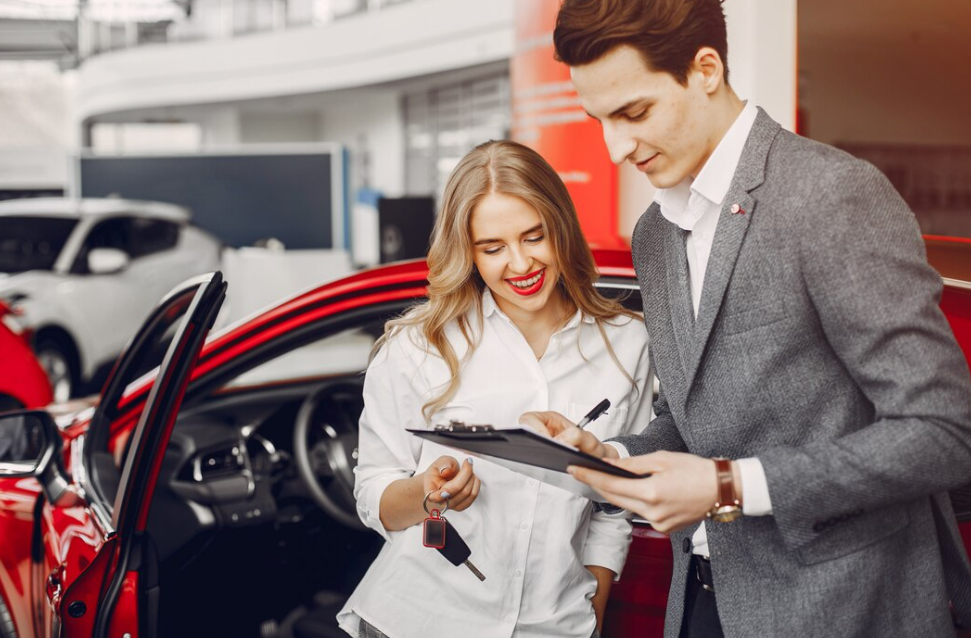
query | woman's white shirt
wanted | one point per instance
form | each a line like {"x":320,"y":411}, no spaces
{"x":530,"y":539}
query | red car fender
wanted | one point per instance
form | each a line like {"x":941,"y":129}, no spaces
{"x":21,"y":377}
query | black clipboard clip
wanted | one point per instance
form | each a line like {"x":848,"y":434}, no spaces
{"x":459,"y":427}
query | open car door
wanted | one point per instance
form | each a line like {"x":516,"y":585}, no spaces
{"x":116,"y":594}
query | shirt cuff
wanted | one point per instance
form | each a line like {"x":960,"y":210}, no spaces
{"x":621,"y":450}
{"x":603,"y":557}
{"x":755,"y":488}
{"x":607,"y":508}
{"x":369,"y":507}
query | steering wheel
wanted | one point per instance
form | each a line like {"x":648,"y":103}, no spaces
{"x":325,"y":447}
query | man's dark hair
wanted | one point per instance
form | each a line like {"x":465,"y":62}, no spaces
{"x":667,"y":33}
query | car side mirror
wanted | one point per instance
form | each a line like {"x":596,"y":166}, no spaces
{"x":105,"y":261}
{"x":30,"y":446}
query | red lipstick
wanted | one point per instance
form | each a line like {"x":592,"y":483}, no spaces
{"x":531,"y":290}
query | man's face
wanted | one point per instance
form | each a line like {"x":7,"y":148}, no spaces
{"x":648,"y":118}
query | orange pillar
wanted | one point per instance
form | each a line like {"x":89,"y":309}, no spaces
{"x":547,"y":117}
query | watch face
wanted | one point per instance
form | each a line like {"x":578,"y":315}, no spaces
{"x":726,"y":514}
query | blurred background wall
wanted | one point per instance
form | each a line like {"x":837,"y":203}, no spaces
{"x":408,"y":86}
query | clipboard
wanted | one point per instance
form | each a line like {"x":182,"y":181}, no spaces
{"x":523,"y":448}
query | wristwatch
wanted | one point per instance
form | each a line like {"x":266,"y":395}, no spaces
{"x":727,"y":508}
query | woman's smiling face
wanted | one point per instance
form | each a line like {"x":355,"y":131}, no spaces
{"x":513,"y":255}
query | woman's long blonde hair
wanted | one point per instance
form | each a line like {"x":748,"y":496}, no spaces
{"x":454,"y":286}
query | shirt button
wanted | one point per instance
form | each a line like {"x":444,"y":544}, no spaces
{"x":533,"y":483}
{"x":508,"y":619}
{"x":524,"y":526}
{"x":517,"y":574}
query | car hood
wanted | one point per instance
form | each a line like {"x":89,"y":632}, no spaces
{"x":22,"y":281}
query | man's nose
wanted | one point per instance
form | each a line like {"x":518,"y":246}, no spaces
{"x":620,"y":145}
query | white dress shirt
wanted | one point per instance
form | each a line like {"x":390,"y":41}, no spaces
{"x":694,"y":205}
{"x":530,"y":540}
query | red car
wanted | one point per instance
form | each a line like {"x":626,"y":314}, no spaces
{"x":23,"y":383}
{"x":212,"y":497}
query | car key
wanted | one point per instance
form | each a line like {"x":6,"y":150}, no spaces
{"x":439,"y":534}
{"x":457,"y":551}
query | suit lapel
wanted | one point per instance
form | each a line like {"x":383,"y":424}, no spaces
{"x":679,"y":293}
{"x":729,"y":235}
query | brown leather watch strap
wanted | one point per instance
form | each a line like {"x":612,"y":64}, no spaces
{"x":726,"y":482}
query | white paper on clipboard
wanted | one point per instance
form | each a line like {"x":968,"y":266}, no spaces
{"x":550,"y":477}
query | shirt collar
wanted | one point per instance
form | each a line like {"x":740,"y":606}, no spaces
{"x":490,"y":307}
{"x":715,"y":177}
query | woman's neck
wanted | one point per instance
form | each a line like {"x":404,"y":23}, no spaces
{"x":538,"y":326}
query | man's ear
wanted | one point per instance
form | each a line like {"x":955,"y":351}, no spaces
{"x":708,"y":64}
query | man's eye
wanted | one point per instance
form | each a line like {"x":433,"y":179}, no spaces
{"x":637,"y":117}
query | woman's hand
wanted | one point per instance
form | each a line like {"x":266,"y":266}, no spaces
{"x":605,"y":578}
{"x":446,"y":480}
{"x":401,"y":502}
{"x":557,"y":426}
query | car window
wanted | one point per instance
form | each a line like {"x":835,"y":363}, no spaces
{"x":32,"y":243}
{"x":110,"y":233}
{"x":338,"y":354}
{"x":150,"y":236}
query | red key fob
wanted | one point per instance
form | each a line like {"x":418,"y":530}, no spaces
{"x":433,"y":532}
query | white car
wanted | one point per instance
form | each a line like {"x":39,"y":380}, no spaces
{"x":82,"y":274}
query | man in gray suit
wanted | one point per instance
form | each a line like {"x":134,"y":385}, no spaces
{"x":795,"y":330}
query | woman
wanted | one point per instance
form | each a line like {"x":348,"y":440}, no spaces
{"x":512,"y":324}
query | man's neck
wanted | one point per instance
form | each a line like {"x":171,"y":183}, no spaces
{"x":727,"y":106}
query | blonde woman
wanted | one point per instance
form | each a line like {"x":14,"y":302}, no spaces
{"x":512,"y":324}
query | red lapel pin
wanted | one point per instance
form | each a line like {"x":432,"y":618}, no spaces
{"x":737,"y":210}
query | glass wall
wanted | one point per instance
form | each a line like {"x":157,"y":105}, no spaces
{"x":445,"y":123}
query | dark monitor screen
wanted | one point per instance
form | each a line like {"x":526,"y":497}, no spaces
{"x":239,"y":198}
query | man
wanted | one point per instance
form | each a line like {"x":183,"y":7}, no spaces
{"x":794,"y":329}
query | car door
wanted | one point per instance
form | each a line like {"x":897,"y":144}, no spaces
{"x":95,"y":576}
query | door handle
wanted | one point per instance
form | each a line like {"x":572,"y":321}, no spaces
{"x":55,"y":587}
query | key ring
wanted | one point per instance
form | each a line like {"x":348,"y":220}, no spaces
{"x":424,"y":504}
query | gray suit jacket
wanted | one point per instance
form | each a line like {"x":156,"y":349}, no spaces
{"x":820,"y":349}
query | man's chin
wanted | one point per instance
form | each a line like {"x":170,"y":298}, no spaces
{"x":664,"y":179}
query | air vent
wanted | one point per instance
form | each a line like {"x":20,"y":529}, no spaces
{"x":222,"y":462}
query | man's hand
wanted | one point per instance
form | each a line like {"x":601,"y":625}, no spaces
{"x":556,"y":426}
{"x":679,"y":492}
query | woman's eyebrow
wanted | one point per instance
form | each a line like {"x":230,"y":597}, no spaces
{"x":532,"y":230}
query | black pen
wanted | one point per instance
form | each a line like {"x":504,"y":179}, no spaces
{"x":599,"y":409}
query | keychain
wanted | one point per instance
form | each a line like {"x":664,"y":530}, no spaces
{"x":439,"y":534}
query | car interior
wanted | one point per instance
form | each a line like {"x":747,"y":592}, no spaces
{"x":254,"y":522}
{"x":257,"y":488}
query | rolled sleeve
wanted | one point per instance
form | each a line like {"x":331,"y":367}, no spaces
{"x":608,"y":540}
{"x":369,"y":502}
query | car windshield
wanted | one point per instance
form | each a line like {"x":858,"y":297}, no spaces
{"x":32,"y":243}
